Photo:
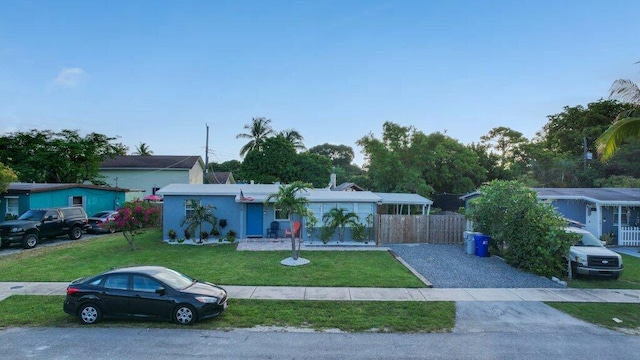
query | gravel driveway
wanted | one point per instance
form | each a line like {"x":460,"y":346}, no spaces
{"x":448,"y":266}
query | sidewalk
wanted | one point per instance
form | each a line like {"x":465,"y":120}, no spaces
{"x":373,"y":294}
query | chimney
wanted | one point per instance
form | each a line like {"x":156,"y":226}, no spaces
{"x":332,"y":183}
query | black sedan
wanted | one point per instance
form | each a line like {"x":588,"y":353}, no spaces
{"x":151,"y":292}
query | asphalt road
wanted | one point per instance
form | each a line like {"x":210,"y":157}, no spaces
{"x":484,"y":330}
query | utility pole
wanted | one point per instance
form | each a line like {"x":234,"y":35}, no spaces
{"x":206,"y":157}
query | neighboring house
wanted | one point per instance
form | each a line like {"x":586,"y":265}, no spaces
{"x":242,"y":205}
{"x":145,"y":174}
{"x":219,"y":177}
{"x":21,"y":197}
{"x":601,"y":210}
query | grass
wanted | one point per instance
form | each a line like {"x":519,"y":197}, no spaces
{"x":219,"y":263}
{"x":630,"y":278}
{"x":603,"y":313}
{"x":352,"y":316}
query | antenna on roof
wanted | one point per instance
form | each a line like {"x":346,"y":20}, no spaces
{"x":206,"y":156}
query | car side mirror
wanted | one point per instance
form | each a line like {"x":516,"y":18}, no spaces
{"x":161,"y":291}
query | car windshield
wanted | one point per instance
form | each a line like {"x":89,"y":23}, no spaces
{"x":588,"y":240}
{"x":102,"y":214}
{"x":174,"y":279}
{"x":33,"y":215}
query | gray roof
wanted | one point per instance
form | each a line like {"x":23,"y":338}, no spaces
{"x":18,"y":187}
{"x":602,"y":196}
{"x":146,"y":162}
{"x":348,"y":186}
{"x":220,"y":177}
{"x":403,"y":198}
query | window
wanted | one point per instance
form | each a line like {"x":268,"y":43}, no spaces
{"x":120,"y":282}
{"x":76,"y":201}
{"x":12,"y":205}
{"x":625,"y":216}
{"x":143,"y":283}
{"x":189,"y":206}
{"x":281,"y":215}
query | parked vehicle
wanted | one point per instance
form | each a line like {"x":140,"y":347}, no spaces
{"x":100,"y":222}
{"x":35,"y":225}
{"x":152,"y":292}
{"x":589,"y":257}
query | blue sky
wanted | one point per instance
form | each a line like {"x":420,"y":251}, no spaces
{"x":158,"y":71}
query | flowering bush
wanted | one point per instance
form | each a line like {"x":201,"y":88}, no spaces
{"x":135,"y":216}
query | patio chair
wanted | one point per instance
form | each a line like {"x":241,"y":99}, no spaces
{"x":296,"y":230}
{"x":272,"y":231}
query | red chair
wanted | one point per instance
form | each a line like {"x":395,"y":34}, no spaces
{"x":296,"y":230}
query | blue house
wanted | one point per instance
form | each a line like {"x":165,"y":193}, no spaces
{"x":242,"y":205}
{"x":601,"y":210}
{"x":21,"y":197}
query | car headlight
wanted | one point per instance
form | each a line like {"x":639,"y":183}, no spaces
{"x":16,"y":229}
{"x":582,"y":259}
{"x":207,"y":299}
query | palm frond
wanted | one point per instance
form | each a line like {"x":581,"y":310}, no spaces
{"x":616,"y":134}
{"x":626,"y":91}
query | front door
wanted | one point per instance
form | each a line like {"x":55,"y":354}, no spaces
{"x":254,"y":220}
{"x":592,"y":220}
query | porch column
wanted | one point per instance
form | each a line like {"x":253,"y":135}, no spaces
{"x":619,"y":223}
{"x":599,"y":217}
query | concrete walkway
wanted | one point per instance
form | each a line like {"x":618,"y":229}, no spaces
{"x":373,"y":294}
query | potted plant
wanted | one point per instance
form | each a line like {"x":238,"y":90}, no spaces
{"x":187,"y":234}
{"x":231,"y":236}
{"x":172,"y":235}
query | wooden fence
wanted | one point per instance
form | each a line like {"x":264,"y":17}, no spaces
{"x":431,"y":229}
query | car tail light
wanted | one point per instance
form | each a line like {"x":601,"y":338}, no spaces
{"x":72,"y":290}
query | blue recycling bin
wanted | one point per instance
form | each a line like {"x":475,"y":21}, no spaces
{"x":482,"y":245}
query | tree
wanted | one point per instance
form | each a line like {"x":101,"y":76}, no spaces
{"x":134,"y":217}
{"x":288,"y":200}
{"x":310,"y":168}
{"x":340,"y":155}
{"x":339,"y":218}
{"x":270,"y":163}
{"x":527,"y":233}
{"x":294,"y":137}
{"x":7,"y":176}
{"x":258,"y":132}
{"x":143,"y":150}
{"x":197,"y":216}
{"x":57,"y":157}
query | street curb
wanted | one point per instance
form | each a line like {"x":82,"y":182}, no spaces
{"x":413,"y":271}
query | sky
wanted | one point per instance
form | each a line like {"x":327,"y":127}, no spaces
{"x":158,"y":72}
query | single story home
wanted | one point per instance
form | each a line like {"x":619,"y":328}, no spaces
{"x":146,"y":174}
{"x":243,"y":208}
{"x":21,"y":197}
{"x":603,"y":211}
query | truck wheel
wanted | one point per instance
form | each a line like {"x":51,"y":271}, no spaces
{"x":30,"y":241}
{"x":4,"y":244}
{"x":75,"y":233}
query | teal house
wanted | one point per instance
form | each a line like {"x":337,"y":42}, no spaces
{"x":21,"y":197}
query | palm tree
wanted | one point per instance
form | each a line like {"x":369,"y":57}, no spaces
{"x":288,"y":200}
{"x":627,"y":124}
{"x":339,"y":218}
{"x":199,"y":215}
{"x":143,"y":149}
{"x":294,"y":137}
{"x":258,"y":131}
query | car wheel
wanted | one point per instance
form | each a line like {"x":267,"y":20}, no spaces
{"x":30,"y":241}
{"x":4,"y":244}
{"x":89,"y":314}
{"x":75,"y":233}
{"x":184,"y":315}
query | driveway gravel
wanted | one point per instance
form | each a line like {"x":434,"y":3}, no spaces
{"x":448,"y":266}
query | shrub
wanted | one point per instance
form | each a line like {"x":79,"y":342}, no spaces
{"x":187,"y":234}
{"x":529,"y":234}
{"x":134,"y":217}
{"x":231,"y":236}
{"x":204,"y":235}
{"x":326,"y":233}
{"x":358,"y":232}
{"x":172,"y":234}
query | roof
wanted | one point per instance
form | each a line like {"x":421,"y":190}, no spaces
{"x":133,"y":162}
{"x":18,"y":187}
{"x":601,"y":196}
{"x":403,"y":198}
{"x":220,"y":177}
{"x":347,"y":186}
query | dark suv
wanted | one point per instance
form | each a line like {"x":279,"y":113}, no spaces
{"x":36,"y":225}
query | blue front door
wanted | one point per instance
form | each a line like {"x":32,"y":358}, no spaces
{"x":254,"y":220}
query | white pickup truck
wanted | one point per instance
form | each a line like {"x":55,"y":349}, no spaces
{"x":589,"y":257}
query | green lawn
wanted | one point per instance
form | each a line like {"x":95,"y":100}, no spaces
{"x":349,"y":316}
{"x":220,"y":264}
{"x":603,"y":313}
{"x":630,"y":278}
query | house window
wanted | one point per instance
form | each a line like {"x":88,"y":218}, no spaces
{"x":625,"y":216}
{"x":281,"y":215}
{"x":189,"y":206}
{"x":12,"y":206}
{"x":76,"y":201}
